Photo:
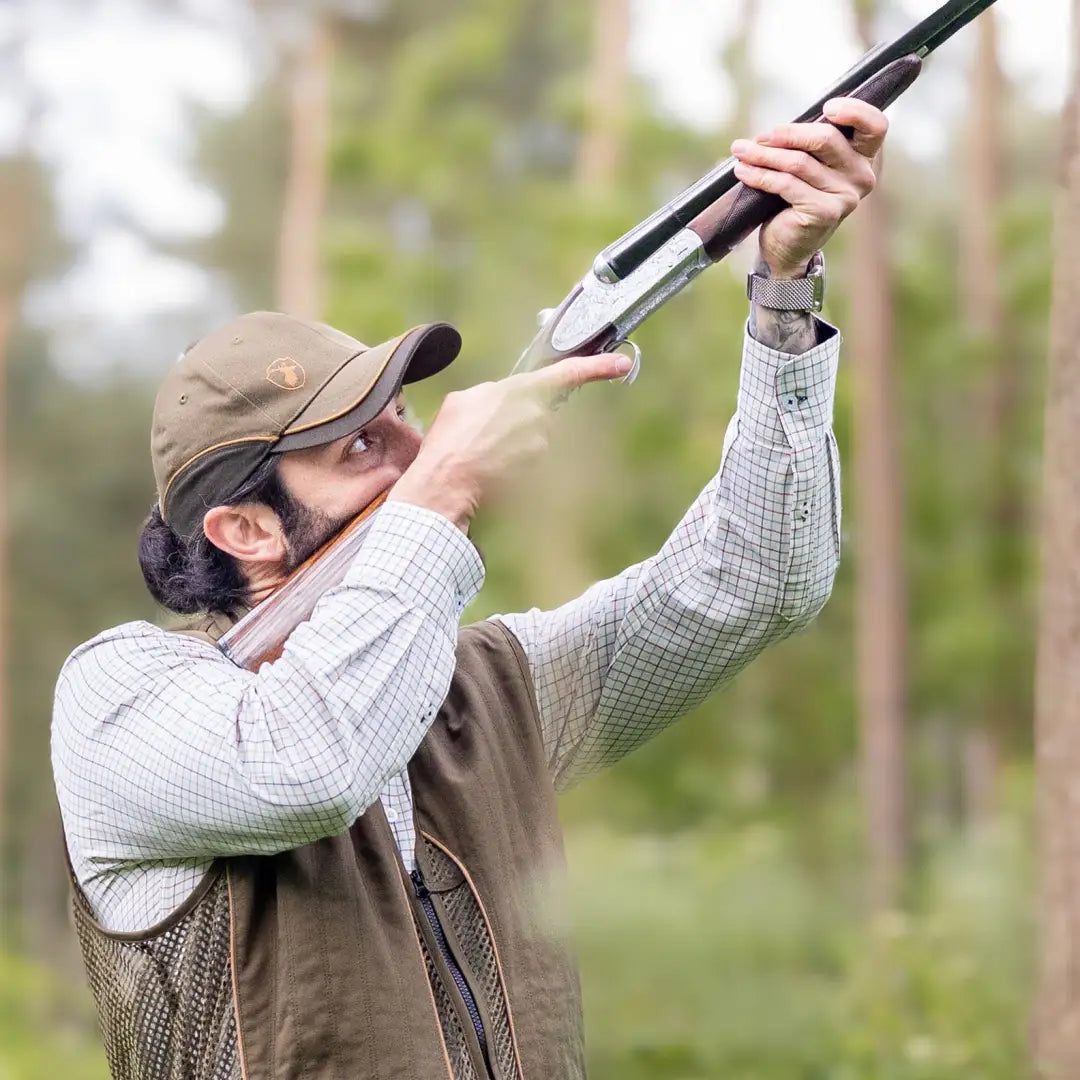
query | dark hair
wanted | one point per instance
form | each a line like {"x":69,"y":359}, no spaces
{"x":190,"y":574}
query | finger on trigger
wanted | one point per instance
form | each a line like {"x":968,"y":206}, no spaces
{"x":609,"y":365}
{"x":575,"y":371}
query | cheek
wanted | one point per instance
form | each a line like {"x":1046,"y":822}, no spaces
{"x":347,"y":493}
{"x":333,"y":488}
{"x":406,"y":448}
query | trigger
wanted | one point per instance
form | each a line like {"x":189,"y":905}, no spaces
{"x":635,"y":353}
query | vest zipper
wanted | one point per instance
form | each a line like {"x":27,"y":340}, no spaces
{"x":424,"y":896}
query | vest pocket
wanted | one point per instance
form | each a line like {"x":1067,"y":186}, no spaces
{"x":465,"y":924}
{"x":457,"y":1047}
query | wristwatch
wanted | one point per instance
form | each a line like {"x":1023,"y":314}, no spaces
{"x":790,"y":294}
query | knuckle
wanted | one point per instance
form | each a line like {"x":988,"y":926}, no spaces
{"x":804,"y":166}
{"x":832,"y":211}
{"x":452,"y":402}
{"x":533,"y":410}
{"x":777,"y":182}
{"x":819,"y":137}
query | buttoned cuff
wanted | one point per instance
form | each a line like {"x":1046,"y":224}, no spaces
{"x":421,"y":557}
{"x":784,"y":398}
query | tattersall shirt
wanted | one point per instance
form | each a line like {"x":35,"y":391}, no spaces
{"x":165,"y":755}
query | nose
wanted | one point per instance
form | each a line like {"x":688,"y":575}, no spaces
{"x":406,"y":444}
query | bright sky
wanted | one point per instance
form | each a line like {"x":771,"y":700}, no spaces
{"x":114,"y":80}
{"x":676,"y":44}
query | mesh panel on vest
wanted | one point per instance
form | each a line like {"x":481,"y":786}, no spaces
{"x":453,"y":1033}
{"x":471,"y":929}
{"x":164,"y":1002}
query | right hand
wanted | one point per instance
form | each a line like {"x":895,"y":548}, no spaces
{"x":482,"y":434}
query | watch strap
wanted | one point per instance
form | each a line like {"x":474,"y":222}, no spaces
{"x":790,"y":294}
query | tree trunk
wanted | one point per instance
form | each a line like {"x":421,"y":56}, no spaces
{"x":605,"y":95}
{"x":985,"y":327}
{"x":984,"y":317}
{"x":1056,"y":1025}
{"x":880,"y":607}
{"x":740,"y":65}
{"x":299,"y":289}
{"x":980,"y":762}
{"x":16,"y":216}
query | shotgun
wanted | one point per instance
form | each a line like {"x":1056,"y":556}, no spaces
{"x":628,"y":281}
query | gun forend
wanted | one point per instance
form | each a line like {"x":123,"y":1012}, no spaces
{"x":731,"y":219}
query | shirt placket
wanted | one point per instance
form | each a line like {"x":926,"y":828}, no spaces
{"x":396,"y":799}
{"x":795,"y":409}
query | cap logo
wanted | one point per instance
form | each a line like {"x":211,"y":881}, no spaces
{"x":286,"y":373}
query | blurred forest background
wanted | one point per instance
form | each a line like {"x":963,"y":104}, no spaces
{"x":826,"y":873}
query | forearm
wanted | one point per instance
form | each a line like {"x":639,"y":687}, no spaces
{"x":752,"y":560}
{"x":218,"y":761}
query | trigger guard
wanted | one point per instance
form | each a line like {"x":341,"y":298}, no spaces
{"x":632,"y":374}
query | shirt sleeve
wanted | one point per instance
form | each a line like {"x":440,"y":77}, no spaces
{"x":163,"y":749}
{"x":752,"y":561}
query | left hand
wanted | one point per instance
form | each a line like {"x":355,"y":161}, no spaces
{"x":820,"y":174}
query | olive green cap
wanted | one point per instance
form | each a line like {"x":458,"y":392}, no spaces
{"x":267,"y":383}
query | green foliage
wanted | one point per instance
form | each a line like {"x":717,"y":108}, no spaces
{"x":46,"y":1027}
{"x":717,"y":872}
{"x":721,"y":953}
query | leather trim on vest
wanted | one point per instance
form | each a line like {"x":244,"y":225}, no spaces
{"x":196,"y":896}
{"x":523,"y":665}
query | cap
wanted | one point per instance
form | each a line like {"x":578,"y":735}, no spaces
{"x":268,"y":383}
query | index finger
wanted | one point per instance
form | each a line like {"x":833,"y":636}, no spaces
{"x":869,"y":123}
{"x":574,"y":371}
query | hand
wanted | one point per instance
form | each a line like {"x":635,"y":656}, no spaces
{"x":819,"y":173}
{"x":482,"y":434}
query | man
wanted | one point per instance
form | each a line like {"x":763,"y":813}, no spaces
{"x":346,"y":864}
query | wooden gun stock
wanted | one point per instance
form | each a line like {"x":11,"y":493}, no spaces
{"x":259,"y":637}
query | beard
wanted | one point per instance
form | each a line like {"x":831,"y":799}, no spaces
{"x":306,"y":530}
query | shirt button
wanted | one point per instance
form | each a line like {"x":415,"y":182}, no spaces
{"x":793,"y":401}
{"x":802,"y":511}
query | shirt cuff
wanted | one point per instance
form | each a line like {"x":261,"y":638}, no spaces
{"x":784,"y":398}
{"x":420,"y":556}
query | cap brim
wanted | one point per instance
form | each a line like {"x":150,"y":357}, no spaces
{"x":342,"y":407}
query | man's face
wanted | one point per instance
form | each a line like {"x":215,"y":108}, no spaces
{"x":335,"y":482}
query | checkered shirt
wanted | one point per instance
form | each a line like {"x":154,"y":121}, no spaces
{"x":165,"y":755}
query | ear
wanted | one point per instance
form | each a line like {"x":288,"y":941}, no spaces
{"x":250,"y":532}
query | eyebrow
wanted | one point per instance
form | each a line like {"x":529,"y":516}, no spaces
{"x":399,"y":399}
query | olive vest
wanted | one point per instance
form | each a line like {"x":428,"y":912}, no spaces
{"x":325,"y":962}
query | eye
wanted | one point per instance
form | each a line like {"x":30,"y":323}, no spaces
{"x":402,"y":411}
{"x":360,"y":444}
